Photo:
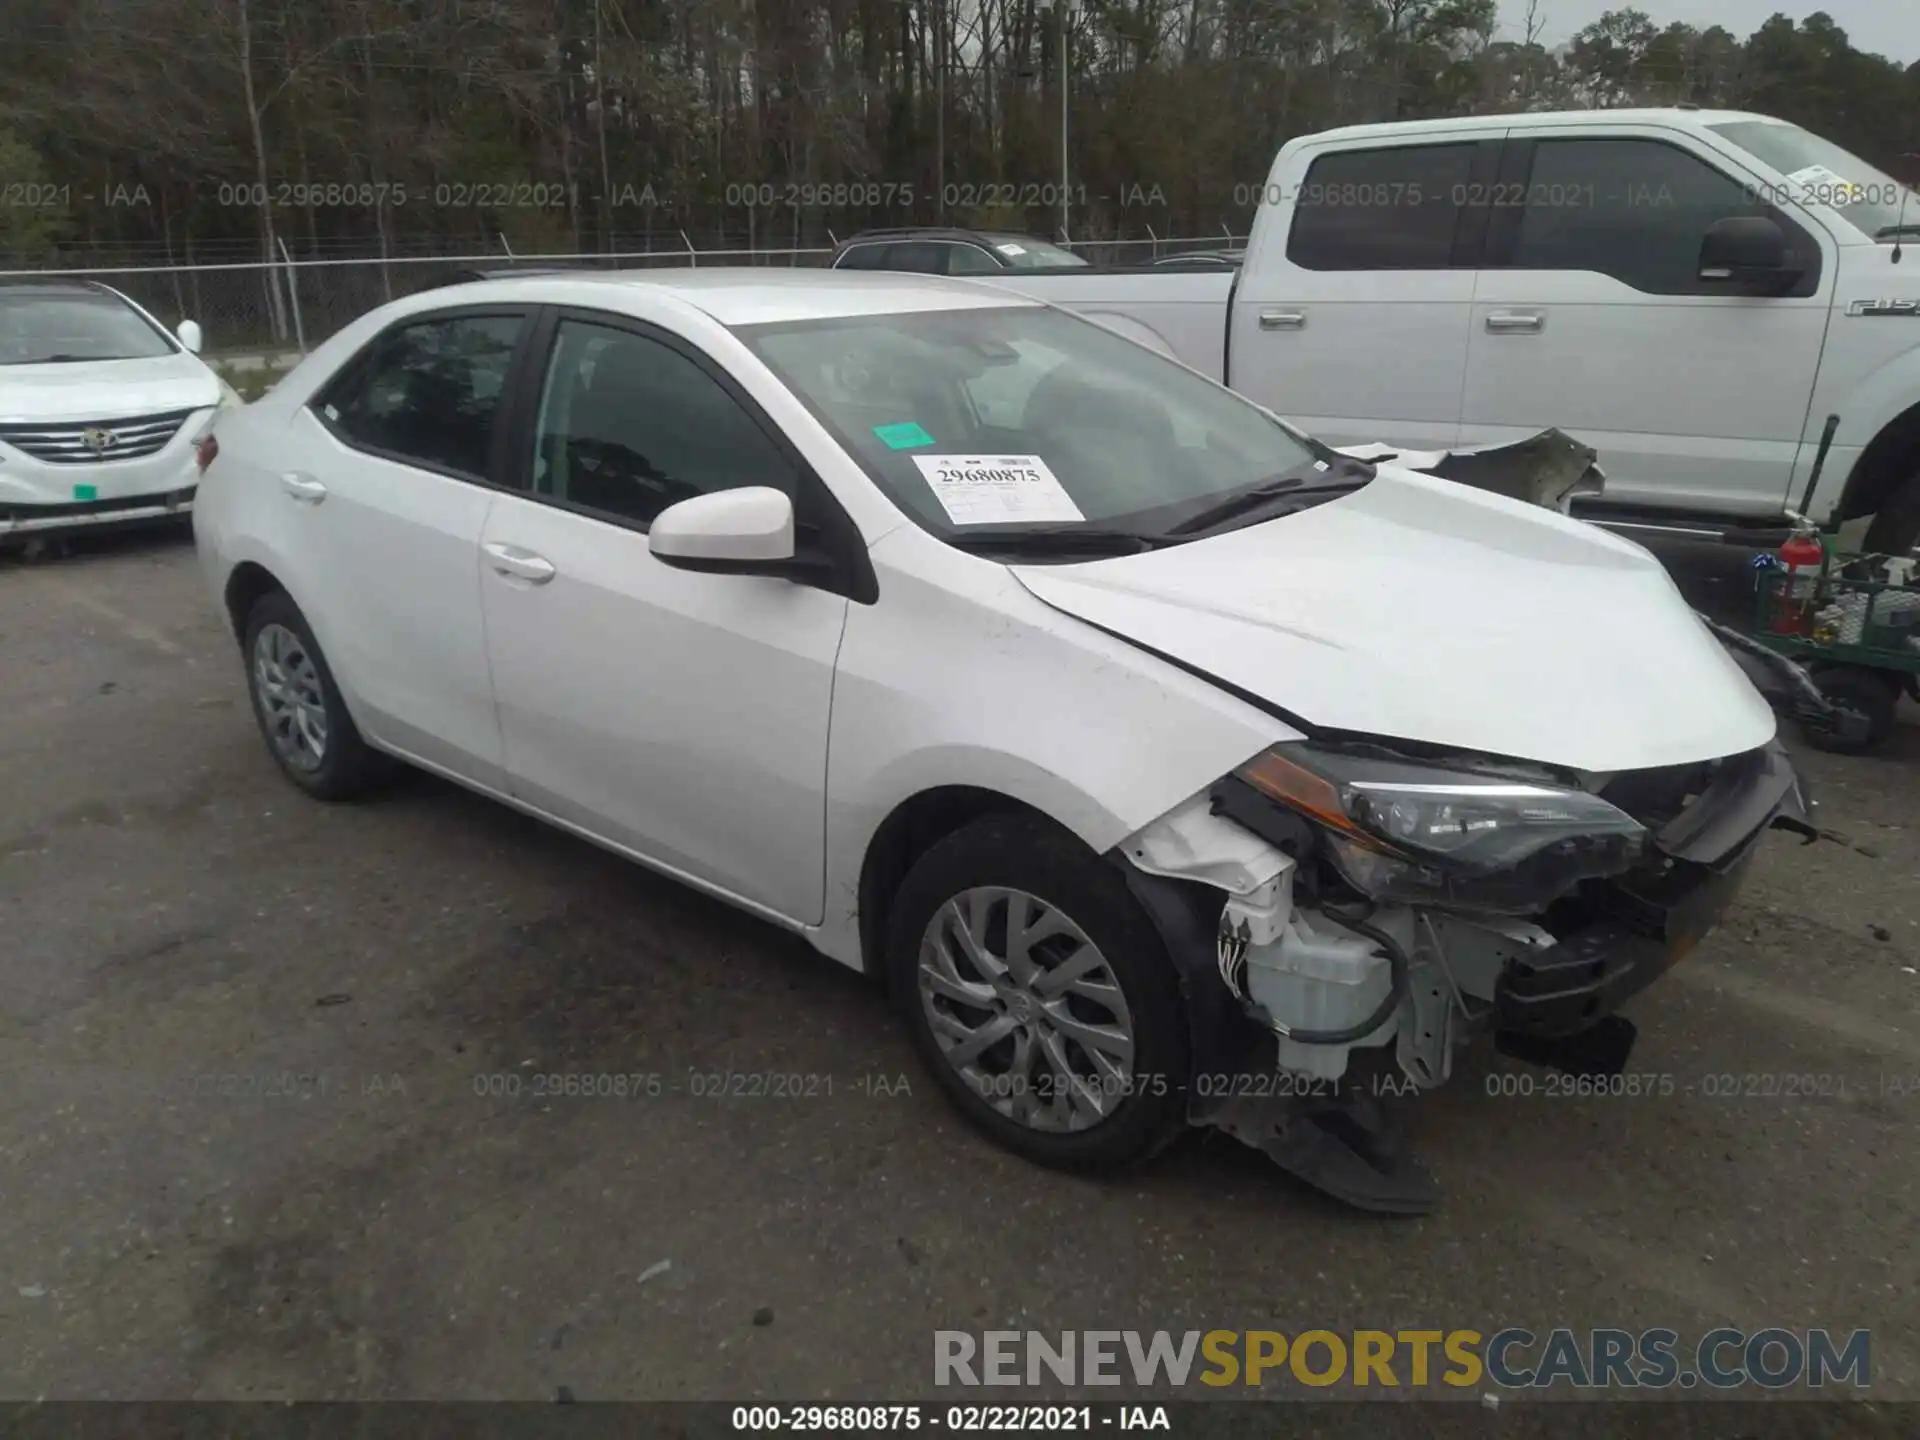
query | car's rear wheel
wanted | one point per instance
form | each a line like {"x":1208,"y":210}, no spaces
{"x":298,"y":706}
{"x":1041,"y":995}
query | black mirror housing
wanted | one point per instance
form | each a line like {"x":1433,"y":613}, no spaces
{"x":1749,"y":250}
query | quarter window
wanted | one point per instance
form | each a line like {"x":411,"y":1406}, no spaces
{"x":629,"y":426}
{"x":863,"y":257}
{"x":429,"y":393}
{"x":1390,"y":209}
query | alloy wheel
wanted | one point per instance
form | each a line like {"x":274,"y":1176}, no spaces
{"x":1026,"y":1009}
{"x":287,"y":682}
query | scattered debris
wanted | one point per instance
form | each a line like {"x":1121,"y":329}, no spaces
{"x":909,"y":1251}
{"x":659,"y":1267}
{"x":763,"y":1316}
{"x":326,"y":1000}
{"x":563,"y":1395}
{"x":107,"y":687}
{"x":1490,"y":1400}
{"x":35,"y":1292}
{"x":1880,"y":933}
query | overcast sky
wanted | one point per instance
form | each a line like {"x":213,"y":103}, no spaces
{"x":1884,"y":27}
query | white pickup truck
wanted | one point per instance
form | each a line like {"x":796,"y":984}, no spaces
{"x":1693,"y":293}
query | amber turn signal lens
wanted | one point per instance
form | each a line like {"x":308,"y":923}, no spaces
{"x":1278,"y":778}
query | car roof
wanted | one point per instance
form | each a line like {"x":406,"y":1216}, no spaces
{"x":1671,"y":116}
{"x":759,"y":295}
{"x":53,"y":285}
{"x":943,"y":232}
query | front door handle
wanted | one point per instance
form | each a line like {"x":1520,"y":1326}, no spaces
{"x":1508,"y":322}
{"x":302,"y":487}
{"x":520,"y":564}
{"x":1282,"y":320}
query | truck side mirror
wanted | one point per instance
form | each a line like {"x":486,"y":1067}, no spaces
{"x":1749,"y":251}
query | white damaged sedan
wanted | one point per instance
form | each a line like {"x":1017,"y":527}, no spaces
{"x":1171,"y":768}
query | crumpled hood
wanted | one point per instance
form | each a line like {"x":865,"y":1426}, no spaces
{"x":105,"y":389}
{"x":1419,"y":609}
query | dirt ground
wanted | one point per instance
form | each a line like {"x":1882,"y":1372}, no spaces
{"x":180,"y":931}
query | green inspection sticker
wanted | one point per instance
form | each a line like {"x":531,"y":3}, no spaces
{"x":902,"y":437}
{"x":86,"y":492}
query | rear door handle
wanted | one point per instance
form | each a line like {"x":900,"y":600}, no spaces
{"x":1511,"y":322}
{"x":304,"y":488}
{"x":520,"y":564}
{"x":1282,"y":320}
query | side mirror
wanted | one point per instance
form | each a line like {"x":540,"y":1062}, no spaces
{"x":727,"y":532}
{"x":1749,"y":250}
{"x":190,"y":336}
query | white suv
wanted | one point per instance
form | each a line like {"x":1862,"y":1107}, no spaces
{"x":101,"y":409}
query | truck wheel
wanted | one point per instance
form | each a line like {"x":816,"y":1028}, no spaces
{"x":1869,"y":696}
{"x":1041,"y":995}
{"x":1896,"y":529}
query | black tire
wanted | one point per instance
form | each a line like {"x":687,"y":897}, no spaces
{"x":1896,"y":528}
{"x":1869,"y":694}
{"x":1145,"y":1112}
{"x":346,"y":767}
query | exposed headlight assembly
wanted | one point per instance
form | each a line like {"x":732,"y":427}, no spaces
{"x":1424,"y":835}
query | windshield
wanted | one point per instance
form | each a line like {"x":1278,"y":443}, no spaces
{"x":1024,"y":254}
{"x":42,"y":328}
{"x":1822,"y":173}
{"x":971,"y":418}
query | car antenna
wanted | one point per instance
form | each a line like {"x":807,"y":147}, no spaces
{"x":1900,"y":226}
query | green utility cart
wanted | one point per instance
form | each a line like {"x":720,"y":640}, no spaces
{"x":1854,"y":624}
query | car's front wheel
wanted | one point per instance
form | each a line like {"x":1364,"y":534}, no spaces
{"x":1041,"y":995}
{"x":298,"y":706}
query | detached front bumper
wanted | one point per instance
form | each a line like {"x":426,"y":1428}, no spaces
{"x":1617,"y":937}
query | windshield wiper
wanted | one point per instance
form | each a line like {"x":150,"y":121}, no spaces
{"x":1054,"y":540}
{"x":1351,"y":474}
{"x":1897,"y":232}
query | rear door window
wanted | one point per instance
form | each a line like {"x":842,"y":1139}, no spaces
{"x":920,"y":256}
{"x":428,"y":393}
{"x":1396,"y":208}
{"x":971,"y":260}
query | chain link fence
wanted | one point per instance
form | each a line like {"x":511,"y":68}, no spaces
{"x":260,"y":313}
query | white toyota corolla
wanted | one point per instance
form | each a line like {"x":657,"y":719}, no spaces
{"x":100,"y":409}
{"x":1171,"y":768}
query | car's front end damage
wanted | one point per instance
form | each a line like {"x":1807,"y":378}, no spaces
{"x":1350,"y":913}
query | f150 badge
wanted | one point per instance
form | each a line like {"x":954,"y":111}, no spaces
{"x":1884,"y":307}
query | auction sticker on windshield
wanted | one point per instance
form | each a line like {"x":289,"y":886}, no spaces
{"x":997,"y":489}
{"x":1822,"y":186}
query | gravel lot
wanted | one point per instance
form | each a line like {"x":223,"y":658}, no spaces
{"x":178,"y":926}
